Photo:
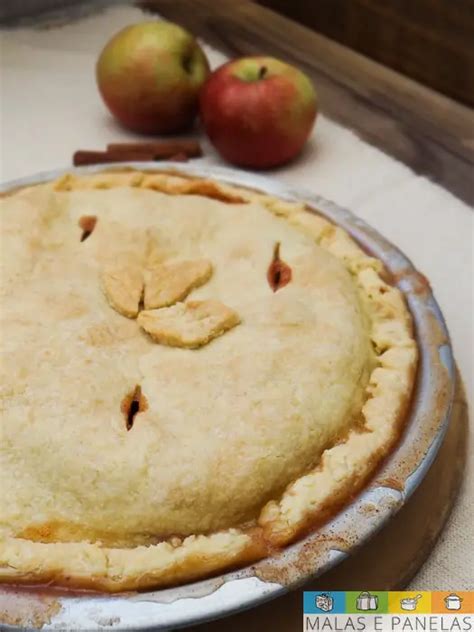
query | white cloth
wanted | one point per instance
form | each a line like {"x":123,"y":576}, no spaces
{"x":50,"y":107}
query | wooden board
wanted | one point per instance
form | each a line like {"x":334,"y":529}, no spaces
{"x":428,"y":40}
{"x":391,"y":559}
{"x":424,"y":129}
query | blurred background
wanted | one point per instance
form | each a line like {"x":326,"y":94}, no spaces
{"x":428,"y":40}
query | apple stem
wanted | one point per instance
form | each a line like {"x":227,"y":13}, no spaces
{"x":263,"y":72}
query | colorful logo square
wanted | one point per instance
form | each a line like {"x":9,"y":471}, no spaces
{"x":452,"y":602}
{"x":413,"y":602}
{"x":365,"y":601}
{"x":324,"y":602}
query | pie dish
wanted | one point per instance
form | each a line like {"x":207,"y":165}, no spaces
{"x":275,"y":375}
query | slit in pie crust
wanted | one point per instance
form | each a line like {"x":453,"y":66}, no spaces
{"x":244,"y":443}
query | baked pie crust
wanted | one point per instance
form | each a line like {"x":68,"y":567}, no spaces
{"x":229,"y":449}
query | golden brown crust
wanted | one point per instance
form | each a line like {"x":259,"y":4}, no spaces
{"x":170,"y":283}
{"x":122,"y":285}
{"x":341,"y":470}
{"x":189,"y":325}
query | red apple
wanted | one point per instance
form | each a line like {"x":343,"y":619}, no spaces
{"x":258,"y":111}
{"x":150,"y":75}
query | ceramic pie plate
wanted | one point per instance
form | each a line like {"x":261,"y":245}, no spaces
{"x":327,"y":546}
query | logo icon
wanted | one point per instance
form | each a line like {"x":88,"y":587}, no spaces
{"x":453,"y":602}
{"x":409,"y":603}
{"x":366,"y":601}
{"x":324,"y":602}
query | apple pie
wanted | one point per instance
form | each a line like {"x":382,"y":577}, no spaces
{"x":194,"y":375}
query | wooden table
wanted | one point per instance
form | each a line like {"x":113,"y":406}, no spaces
{"x":429,"y":132}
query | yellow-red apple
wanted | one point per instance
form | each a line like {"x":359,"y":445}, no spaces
{"x":258,"y":111}
{"x":150,"y":75}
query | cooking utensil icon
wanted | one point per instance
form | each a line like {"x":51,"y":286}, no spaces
{"x":409,"y":603}
{"x":453,"y":602}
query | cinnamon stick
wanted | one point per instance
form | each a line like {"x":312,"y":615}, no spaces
{"x":84,"y":157}
{"x":161,"y":149}
{"x":179,"y":150}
